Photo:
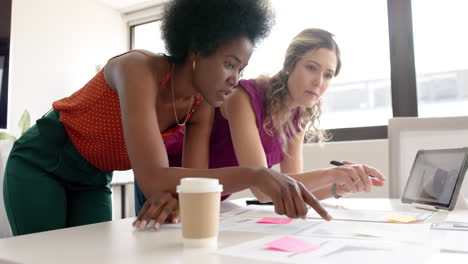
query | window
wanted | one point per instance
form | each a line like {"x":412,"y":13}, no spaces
{"x":378,"y":78}
{"x":148,"y":36}
{"x":361,"y":95}
{"x":441,"y":57}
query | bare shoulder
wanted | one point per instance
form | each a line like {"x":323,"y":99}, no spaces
{"x":238,"y":95}
{"x":139,"y":55}
{"x":241,"y":95}
{"x":238,"y":102}
{"x":137,"y":65}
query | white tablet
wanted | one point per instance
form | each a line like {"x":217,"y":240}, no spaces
{"x":436,"y":177}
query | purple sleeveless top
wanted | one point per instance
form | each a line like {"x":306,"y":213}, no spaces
{"x":222,"y":152}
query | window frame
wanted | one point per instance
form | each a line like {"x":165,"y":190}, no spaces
{"x":402,"y":66}
{"x":402,"y":76}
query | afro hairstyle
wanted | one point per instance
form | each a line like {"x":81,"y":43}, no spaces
{"x":201,"y":26}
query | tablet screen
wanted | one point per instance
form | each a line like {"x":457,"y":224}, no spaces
{"x":436,"y":177}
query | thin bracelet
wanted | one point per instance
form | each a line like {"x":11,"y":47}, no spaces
{"x":333,"y":191}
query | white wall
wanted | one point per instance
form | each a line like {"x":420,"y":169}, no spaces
{"x":55,"y":47}
{"x":370,"y":152}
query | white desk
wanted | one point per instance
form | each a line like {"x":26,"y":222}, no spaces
{"x":119,"y":242}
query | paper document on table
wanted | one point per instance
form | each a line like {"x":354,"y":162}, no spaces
{"x":371,"y":216}
{"x":457,"y":215}
{"x":331,"y":251}
{"x":452,"y":226}
{"x":415,"y":233}
{"x":249,"y":224}
{"x":454,"y":242}
{"x":336,"y":213}
{"x":258,"y":211}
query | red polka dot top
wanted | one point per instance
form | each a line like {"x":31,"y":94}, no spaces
{"x":92,"y":119}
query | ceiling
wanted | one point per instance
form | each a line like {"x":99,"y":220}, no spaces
{"x":126,"y":6}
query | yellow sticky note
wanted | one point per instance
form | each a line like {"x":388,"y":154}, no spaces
{"x":398,"y":218}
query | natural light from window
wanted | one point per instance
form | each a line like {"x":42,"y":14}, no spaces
{"x":360,"y":95}
{"x":441,"y":57}
{"x":148,"y":36}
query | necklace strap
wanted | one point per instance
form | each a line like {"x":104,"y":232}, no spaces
{"x":168,"y":75}
{"x":190,"y":110}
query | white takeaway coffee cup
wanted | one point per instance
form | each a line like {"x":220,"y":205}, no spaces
{"x":199,"y":202}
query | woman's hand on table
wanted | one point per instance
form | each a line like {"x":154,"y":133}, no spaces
{"x":160,"y":207}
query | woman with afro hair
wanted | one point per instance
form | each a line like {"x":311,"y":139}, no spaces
{"x":59,"y":171}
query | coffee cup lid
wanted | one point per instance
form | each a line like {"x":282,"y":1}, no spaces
{"x":199,"y":185}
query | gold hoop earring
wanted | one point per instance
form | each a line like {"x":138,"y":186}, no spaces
{"x":193,"y":65}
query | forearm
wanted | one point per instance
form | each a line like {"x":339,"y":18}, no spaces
{"x":233,"y":179}
{"x":261,"y":197}
{"x":323,"y":193}
{"x":314,"y":180}
{"x":318,"y":181}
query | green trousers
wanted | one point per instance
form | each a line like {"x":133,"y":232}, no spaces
{"x":48,"y":185}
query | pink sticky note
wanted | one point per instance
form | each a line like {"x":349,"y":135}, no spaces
{"x":291,"y":244}
{"x":274,"y":220}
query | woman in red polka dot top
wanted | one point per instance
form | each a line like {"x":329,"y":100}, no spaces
{"x":58,"y":172}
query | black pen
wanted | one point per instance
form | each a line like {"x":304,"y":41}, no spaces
{"x":256,"y":202}
{"x":337,"y":163}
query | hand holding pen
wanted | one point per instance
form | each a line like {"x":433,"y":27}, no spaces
{"x":337,"y":163}
{"x":356,"y":177}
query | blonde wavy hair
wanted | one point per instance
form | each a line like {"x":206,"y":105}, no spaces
{"x":277,"y":90}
